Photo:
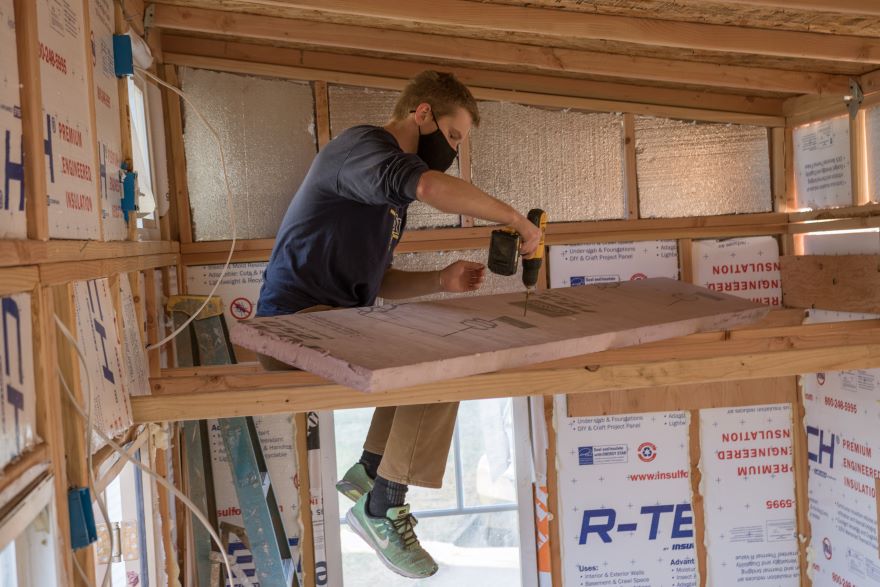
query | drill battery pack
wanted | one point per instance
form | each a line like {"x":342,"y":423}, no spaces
{"x":504,"y":252}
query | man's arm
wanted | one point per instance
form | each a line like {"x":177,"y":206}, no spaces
{"x":455,"y":196}
{"x":461,"y":276}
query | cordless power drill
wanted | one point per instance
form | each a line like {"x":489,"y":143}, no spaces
{"x":504,"y":253}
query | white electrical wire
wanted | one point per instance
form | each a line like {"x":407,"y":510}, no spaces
{"x":229,"y":207}
{"x":88,"y":433}
{"x":161,"y":480}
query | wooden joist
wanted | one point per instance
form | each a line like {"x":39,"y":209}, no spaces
{"x":30,"y":252}
{"x":846,"y":283}
{"x":494,"y":53}
{"x":750,"y":353}
{"x":549,"y":24}
{"x":855,"y":7}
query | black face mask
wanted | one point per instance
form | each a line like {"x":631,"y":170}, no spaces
{"x":435,"y":150}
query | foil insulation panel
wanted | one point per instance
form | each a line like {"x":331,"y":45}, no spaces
{"x":351,"y":106}
{"x":568,"y":163}
{"x":267,"y":130}
{"x":701,"y":169}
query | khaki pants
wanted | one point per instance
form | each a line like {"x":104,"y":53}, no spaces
{"x":414,"y":441}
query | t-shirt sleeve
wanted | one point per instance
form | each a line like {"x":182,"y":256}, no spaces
{"x":377,"y":172}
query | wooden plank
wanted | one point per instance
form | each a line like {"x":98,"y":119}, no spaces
{"x":630,"y":173}
{"x":464,"y":168}
{"x":391,"y":346}
{"x":322,"y":113}
{"x":507,"y":80}
{"x":835,"y":225}
{"x":801,"y":485}
{"x":307,"y":538}
{"x":867,"y":210}
{"x":860,"y":7}
{"x":848,"y":283}
{"x":18,"y":279}
{"x":30,"y":252}
{"x":479,"y":51}
{"x":75,"y":445}
{"x":531,"y":98}
{"x":151,"y":312}
{"x":115,"y":469}
{"x":283,"y":398}
{"x":177,"y":156}
{"x":49,"y":419}
{"x":723,"y":394}
{"x":870,"y":82}
{"x":161,"y":468}
{"x":58,"y":273}
{"x":695,"y":457}
{"x":859,"y":158}
{"x":459,"y":14}
{"x":686,"y":260}
{"x":32,"y":128}
{"x":37,"y":455}
{"x":87,"y":41}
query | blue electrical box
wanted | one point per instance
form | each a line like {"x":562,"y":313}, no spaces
{"x":82,"y":517}
{"x":123,"y":60}
{"x":129,"y":192}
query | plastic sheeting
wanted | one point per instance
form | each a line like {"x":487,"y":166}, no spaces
{"x":873,"y":134}
{"x":699,"y":169}
{"x":351,"y":106}
{"x":267,"y":129}
{"x":568,"y":163}
{"x":433,"y":261}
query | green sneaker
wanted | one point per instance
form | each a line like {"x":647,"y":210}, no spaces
{"x":355,"y":482}
{"x":393,"y":539}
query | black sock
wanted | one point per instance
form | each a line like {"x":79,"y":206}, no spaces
{"x":370,"y":461}
{"x":385,"y":494}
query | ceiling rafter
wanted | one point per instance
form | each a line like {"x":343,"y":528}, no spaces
{"x":584,"y":25}
{"x":356,"y":38}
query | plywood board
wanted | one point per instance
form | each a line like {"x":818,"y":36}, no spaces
{"x":13,"y":219}
{"x":108,"y":128}
{"x":848,"y":283}
{"x":69,"y":147}
{"x":392,"y":346}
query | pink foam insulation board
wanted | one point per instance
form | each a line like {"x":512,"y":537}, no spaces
{"x":393,"y":346}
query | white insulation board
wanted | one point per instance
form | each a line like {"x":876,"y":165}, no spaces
{"x":743,"y":267}
{"x":71,"y":170}
{"x":823,"y":177}
{"x":17,"y":385}
{"x":266,"y":127}
{"x":13,"y":220}
{"x":701,"y":169}
{"x":574,"y":265}
{"x":239,"y":290}
{"x":108,"y":120}
{"x":872,"y":121}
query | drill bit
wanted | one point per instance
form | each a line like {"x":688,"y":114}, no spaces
{"x":526,"y":305}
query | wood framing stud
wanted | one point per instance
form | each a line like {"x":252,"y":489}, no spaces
{"x":697,"y":500}
{"x":307,"y":541}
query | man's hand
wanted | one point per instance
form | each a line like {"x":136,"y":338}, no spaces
{"x":529,"y":234}
{"x":462,"y":276}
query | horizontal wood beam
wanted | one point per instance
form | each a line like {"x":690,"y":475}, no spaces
{"x":845,"y":283}
{"x":805,"y":349}
{"x":862,"y":7}
{"x":60,"y":273}
{"x":37,"y":455}
{"x":18,"y":279}
{"x":286,"y":399}
{"x":478,"y":51}
{"x":479,"y":16}
{"x":503,"y":80}
{"x":30,"y":252}
{"x":552,"y":101}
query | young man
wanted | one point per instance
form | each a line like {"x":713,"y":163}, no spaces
{"x":334,"y":249}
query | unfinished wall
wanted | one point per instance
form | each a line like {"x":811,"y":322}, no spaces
{"x":823,"y":175}
{"x":267,"y":130}
{"x":569,"y":163}
{"x":12,"y":214}
{"x":701,"y":169}
{"x":351,"y":106}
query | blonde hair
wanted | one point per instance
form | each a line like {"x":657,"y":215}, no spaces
{"x":443,"y":91}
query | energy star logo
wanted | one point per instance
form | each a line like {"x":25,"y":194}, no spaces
{"x":647,"y":452}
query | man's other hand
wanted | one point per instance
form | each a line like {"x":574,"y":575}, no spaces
{"x":462,"y":276}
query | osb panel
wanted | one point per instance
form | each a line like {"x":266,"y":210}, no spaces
{"x":718,"y":13}
{"x":598,"y":45}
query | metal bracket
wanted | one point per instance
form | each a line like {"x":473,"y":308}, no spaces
{"x":855,"y":98}
{"x":149,"y":16}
